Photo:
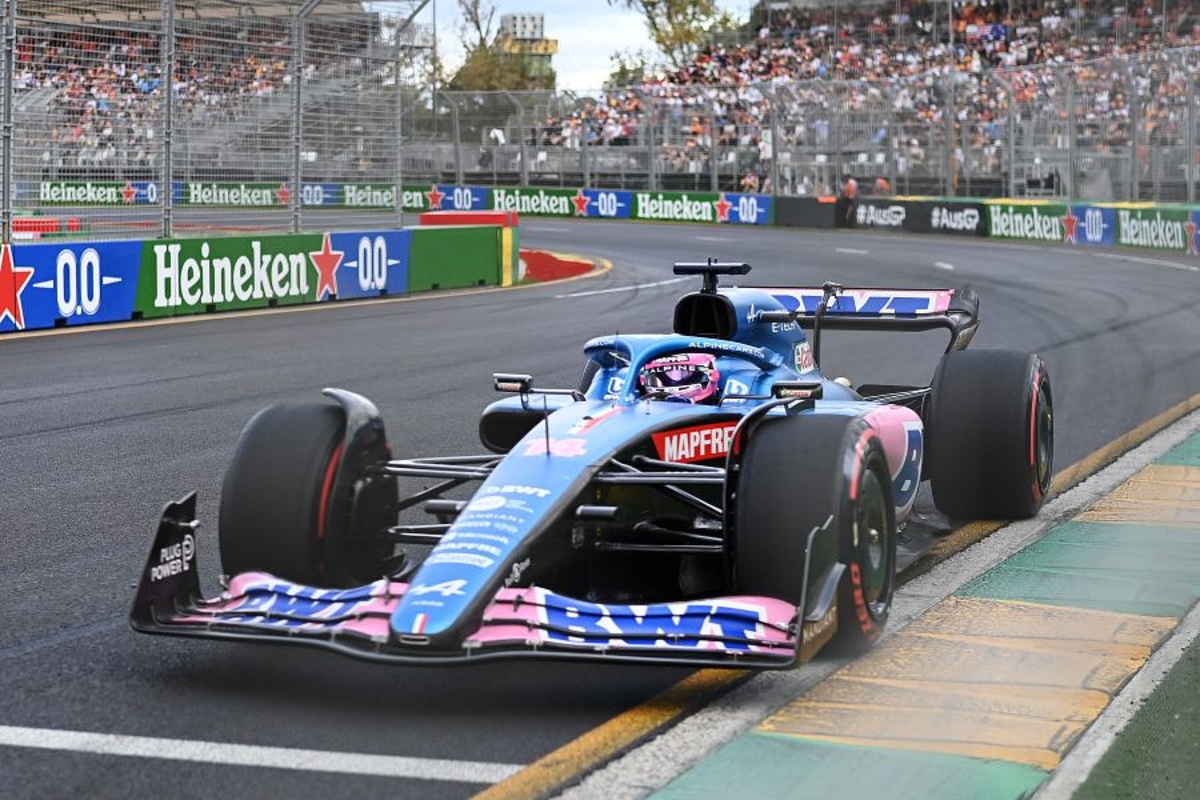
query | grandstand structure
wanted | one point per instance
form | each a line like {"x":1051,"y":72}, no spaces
{"x":1091,"y":99}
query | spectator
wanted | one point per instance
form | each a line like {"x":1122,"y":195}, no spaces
{"x":849,"y":190}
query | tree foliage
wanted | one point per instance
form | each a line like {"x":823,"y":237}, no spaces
{"x":679,"y":27}
{"x":487,"y":66}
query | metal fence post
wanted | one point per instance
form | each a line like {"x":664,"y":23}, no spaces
{"x":583,"y":152}
{"x":522,"y":155}
{"x":10,"y":62}
{"x":1191,"y":140}
{"x":652,"y":150}
{"x":773,"y":124}
{"x":167,"y":190}
{"x":948,"y":187}
{"x":399,"y":170}
{"x":298,"y":32}
{"x":837,"y":135}
{"x":1135,"y":124}
{"x":713,"y":161}
{"x":1012,"y":139}
{"x":1072,"y":127}
{"x":457,"y":139}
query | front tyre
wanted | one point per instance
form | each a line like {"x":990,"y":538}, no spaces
{"x":281,"y":510}
{"x":828,"y":474}
{"x":868,"y":549}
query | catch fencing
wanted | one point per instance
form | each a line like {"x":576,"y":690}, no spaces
{"x":133,"y":118}
{"x":140,"y":118}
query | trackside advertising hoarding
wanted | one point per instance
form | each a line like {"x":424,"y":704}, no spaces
{"x":1170,"y":228}
{"x":916,"y":215}
{"x":49,"y":285}
{"x":707,"y":207}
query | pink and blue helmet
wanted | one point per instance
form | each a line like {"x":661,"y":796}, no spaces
{"x":683,"y":377}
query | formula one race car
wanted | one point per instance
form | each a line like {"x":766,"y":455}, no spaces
{"x":704,"y":497}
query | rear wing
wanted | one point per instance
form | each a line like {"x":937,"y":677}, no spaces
{"x":866,"y":309}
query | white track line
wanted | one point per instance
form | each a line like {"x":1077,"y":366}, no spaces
{"x":620,"y":288}
{"x":712,"y":238}
{"x":944,"y":265}
{"x":1158,"y":262}
{"x":852,"y":251}
{"x":244,"y":755}
{"x":544,"y":229}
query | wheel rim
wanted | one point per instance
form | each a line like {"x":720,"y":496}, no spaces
{"x":1043,"y":437}
{"x":871,"y":545}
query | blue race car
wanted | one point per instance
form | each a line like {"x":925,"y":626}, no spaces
{"x":705,"y":497}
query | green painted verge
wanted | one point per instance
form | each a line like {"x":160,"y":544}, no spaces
{"x":1185,"y":454}
{"x":1158,"y":753}
{"x":767,"y":766}
{"x":1126,"y":568}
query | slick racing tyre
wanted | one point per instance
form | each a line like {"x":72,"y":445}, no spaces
{"x":824,"y":473}
{"x":279,"y":510}
{"x":990,"y":434}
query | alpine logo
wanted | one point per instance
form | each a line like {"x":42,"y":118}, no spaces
{"x":701,"y":443}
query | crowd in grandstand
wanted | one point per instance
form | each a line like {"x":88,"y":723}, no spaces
{"x":104,"y":87}
{"x":900,"y":59}
{"x":888,"y":66}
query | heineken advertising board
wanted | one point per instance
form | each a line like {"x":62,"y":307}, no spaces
{"x":704,"y":207}
{"x":188,"y":276}
{"x":44,"y":285}
{"x":49,"y":285}
{"x":1172,"y":229}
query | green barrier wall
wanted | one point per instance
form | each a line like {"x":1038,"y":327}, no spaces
{"x":191,"y":276}
{"x":454,"y":257}
{"x":1162,"y":228}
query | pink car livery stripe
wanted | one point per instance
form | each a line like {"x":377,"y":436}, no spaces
{"x":903,"y":438}
{"x":537,"y":616}
{"x":532,"y":616}
{"x":259,"y":600}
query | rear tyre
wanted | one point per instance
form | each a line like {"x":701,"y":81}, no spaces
{"x":803,"y":473}
{"x":990,"y":434}
{"x":280,"y":512}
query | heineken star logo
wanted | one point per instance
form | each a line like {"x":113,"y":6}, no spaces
{"x":1190,"y":228}
{"x":283,"y":194}
{"x":581,"y":201}
{"x":129,"y":193}
{"x":13,"y":280}
{"x":1069,"y":223}
{"x":435,"y":197}
{"x":722,"y":205}
{"x":326,"y":260}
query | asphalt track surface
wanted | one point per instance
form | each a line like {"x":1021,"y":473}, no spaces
{"x":99,"y":428}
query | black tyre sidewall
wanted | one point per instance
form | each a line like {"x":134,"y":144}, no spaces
{"x":981,"y":427}
{"x":272,"y":494}
{"x":860,"y":619}
{"x":795,"y":475}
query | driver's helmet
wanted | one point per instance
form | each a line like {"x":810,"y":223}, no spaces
{"x":683,"y":377}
